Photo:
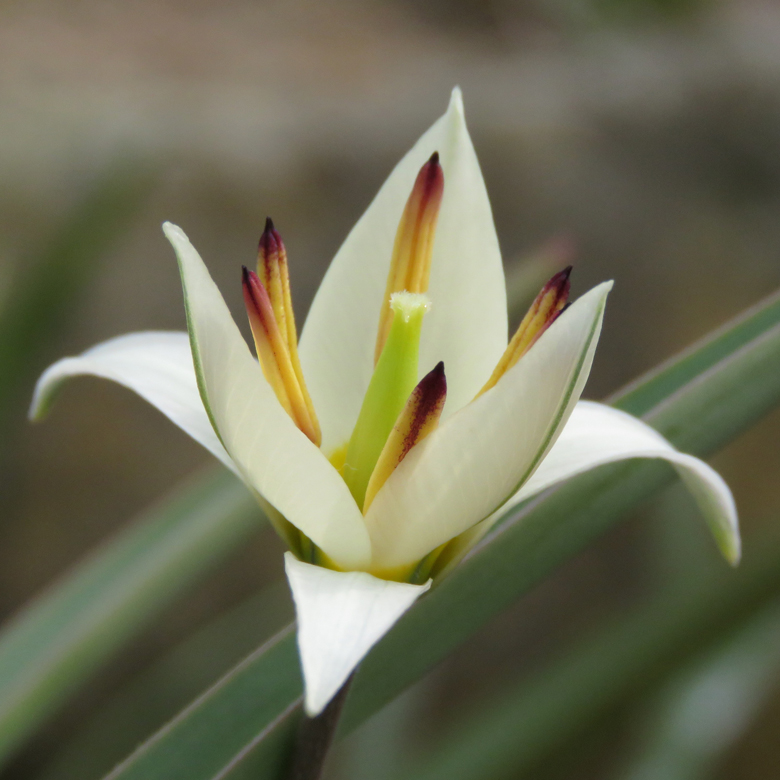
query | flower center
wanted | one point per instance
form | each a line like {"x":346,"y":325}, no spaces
{"x":397,"y":411}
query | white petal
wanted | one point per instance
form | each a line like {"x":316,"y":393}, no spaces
{"x":595,"y":436}
{"x":341,"y":616}
{"x":472,"y":463}
{"x":598,"y":434}
{"x":156,"y":365}
{"x":467,"y":325}
{"x":274,"y":457}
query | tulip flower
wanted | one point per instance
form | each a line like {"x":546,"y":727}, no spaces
{"x":403,"y":425}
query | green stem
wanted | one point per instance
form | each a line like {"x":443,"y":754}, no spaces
{"x":315,"y":736}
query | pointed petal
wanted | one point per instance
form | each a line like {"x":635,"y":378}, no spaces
{"x":341,"y":616}
{"x":466,"y":470}
{"x":274,"y":457}
{"x":156,"y":365}
{"x":598,"y":434}
{"x":467,"y":325}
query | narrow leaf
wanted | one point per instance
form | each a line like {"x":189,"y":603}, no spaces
{"x":627,"y":657}
{"x":707,"y":707}
{"x":160,"y":690}
{"x":49,"y":648}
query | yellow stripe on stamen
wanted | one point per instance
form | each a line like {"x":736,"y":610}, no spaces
{"x":410,"y":266}
{"x":419,"y":417}
{"x":274,"y":356}
{"x":274,"y":276}
{"x":547,"y":306}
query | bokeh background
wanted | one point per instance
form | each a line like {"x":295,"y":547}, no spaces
{"x":643,"y":137}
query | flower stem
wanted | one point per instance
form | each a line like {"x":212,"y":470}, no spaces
{"x":315,"y":736}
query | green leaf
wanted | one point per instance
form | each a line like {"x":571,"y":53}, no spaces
{"x":643,"y":393}
{"x":160,"y":690}
{"x":627,"y":657}
{"x":62,"y":637}
{"x":732,"y":385}
{"x":708,"y":706}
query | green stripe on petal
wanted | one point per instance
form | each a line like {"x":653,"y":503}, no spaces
{"x":480,"y":457}
{"x":275,"y":458}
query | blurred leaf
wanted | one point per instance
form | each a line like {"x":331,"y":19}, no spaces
{"x":533,"y":720}
{"x":374,"y":751}
{"x":52,"y":281}
{"x":160,"y":691}
{"x":231,"y":733}
{"x":642,"y":394}
{"x":70,"y":629}
{"x":705,"y":709}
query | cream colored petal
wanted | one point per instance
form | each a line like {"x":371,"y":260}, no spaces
{"x":156,"y":365}
{"x":595,"y":436}
{"x":341,"y":616}
{"x":598,"y":434}
{"x":467,"y":325}
{"x":274,"y":457}
{"x":476,"y":460}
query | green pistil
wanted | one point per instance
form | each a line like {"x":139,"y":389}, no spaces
{"x":395,"y":376}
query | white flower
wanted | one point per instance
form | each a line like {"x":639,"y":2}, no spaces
{"x":485,"y":451}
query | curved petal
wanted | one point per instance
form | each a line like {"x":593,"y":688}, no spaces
{"x":341,"y":616}
{"x":465,"y":470}
{"x":467,"y":324}
{"x":156,"y":365}
{"x":273,"y":456}
{"x":597,"y":434}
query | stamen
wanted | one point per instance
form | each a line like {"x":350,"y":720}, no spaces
{"x":410,"y":266}
{"x":419,"y":417}
{"x":395,"y":377}
{"x":274,"y":356}
{"x":273,"y":273}
{"x":545,"y":309}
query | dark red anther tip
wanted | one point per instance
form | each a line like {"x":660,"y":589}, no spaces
{"x":560,"y":282}
{"x":435,"y":381}
{"x":251,"y":281}
{"x":562,"y":277}
{"x":270,"y":240}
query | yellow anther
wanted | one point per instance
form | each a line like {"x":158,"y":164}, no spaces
{"x":419,"y":417}
{"x":545,"y":308}
{"x":410,"y":266}
{"x":275,"y":359}
{"x":274,"y":276}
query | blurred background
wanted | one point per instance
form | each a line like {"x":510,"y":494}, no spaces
{"x":641,"y":136}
